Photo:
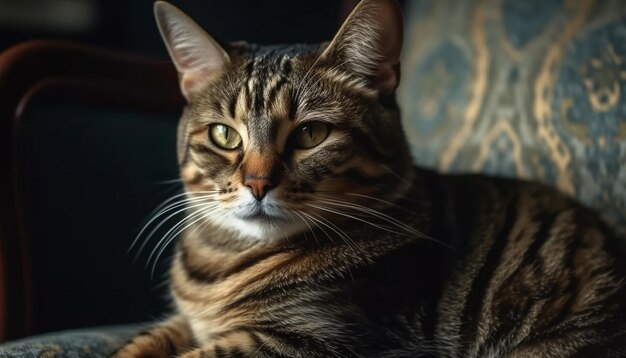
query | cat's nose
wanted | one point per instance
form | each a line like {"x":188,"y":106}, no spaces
{"x":259,"y":185}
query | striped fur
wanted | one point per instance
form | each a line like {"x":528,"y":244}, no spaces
{"x":354,"y":252}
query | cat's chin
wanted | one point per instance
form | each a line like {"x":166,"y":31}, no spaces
{"x":269,"y":220}
{"x":263,"y":228}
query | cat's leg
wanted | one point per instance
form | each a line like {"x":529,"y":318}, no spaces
{"x":241,"y":343}
{"x":167,"y":339}
{"x":266,"y":344}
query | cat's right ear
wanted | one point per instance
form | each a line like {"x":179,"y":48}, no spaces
{"x":196,"y":55}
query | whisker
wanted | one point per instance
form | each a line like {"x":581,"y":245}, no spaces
{"x":372,"y":212}
{"x":166,"y":236}
{"x":155,"y":229}
{"x":314,"y":221}
{"x":334,"y":228}
{"x":182,"y":194}
{"x":157,"y":214}
{"x":342,"y":234}
{"x":378,"y":199}
{"x":165,"y":202}
{"x":386,"y":218}
{"x":309,"y":226}
{"x":353,"y":217}
{"x":208,"y":197}
{"x":204,"y":224}
{"x":170,"y":181}
{"x":169,"y":237}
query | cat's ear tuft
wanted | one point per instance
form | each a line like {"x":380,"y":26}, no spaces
{"x":369,"y":43}
{"x":196,"y":55}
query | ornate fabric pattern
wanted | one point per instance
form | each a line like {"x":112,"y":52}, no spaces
{"x":96,"y":342}
{"x":533,"y":89}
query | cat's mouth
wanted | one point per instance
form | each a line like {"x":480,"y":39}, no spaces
{"x":260,"y":211}
{"x":268,"y":219}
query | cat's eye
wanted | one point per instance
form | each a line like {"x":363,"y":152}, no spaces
{"x":224,"y":136}
{"x":310,"y":134}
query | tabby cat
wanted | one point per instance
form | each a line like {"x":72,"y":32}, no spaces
{"x":309,"y":233}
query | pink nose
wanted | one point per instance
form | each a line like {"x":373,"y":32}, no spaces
{"x":259,"y":186}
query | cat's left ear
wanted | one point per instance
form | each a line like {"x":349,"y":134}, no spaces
{"x":369,"y":42}
{"x":196,"y":55}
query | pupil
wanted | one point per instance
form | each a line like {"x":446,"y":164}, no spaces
{"x":310,"y":129}
{"x":226,"y":132}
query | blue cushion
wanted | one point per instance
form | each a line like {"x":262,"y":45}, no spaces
{"x":533,"y":89}
{"x":92,"y":342}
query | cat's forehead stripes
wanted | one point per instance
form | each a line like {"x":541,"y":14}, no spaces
{"x":259,"y":95}
{"x":261,"y":79}
{"x":276,"y":85}
{"x":266,"y":78}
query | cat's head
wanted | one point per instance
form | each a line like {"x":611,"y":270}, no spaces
{"x":282,"y":139}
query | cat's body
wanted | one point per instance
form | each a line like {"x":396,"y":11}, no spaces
{"x":311,"y":234}
{"x":532,"y":289}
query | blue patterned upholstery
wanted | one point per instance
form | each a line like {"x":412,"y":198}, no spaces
{"x":533,"y":89}
{"x":95,"y":342}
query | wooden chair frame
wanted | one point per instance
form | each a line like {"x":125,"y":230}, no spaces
{"x":67,"y":73}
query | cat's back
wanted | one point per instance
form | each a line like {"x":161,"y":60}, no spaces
{"x":470,"y":202}
{"x":533,"y":263}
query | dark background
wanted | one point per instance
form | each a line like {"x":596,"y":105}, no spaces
{"x":92,"y":174}
{"x":129,"y":24}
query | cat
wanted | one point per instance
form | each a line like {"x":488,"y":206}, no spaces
{"x":312,"y":234}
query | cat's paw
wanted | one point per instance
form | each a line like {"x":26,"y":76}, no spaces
{"x":166,"y":339}
{"x":205,"y":352}
{"x":142,"y":347}
{"x":237,"y":344}
{"x":139,"y":353}
{"x":198,"y":353}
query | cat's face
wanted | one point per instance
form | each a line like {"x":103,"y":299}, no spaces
{"x":279,"y":140}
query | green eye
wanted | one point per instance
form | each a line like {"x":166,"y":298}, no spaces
{"x":224,"y":136}
{"x":311,"y":134}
